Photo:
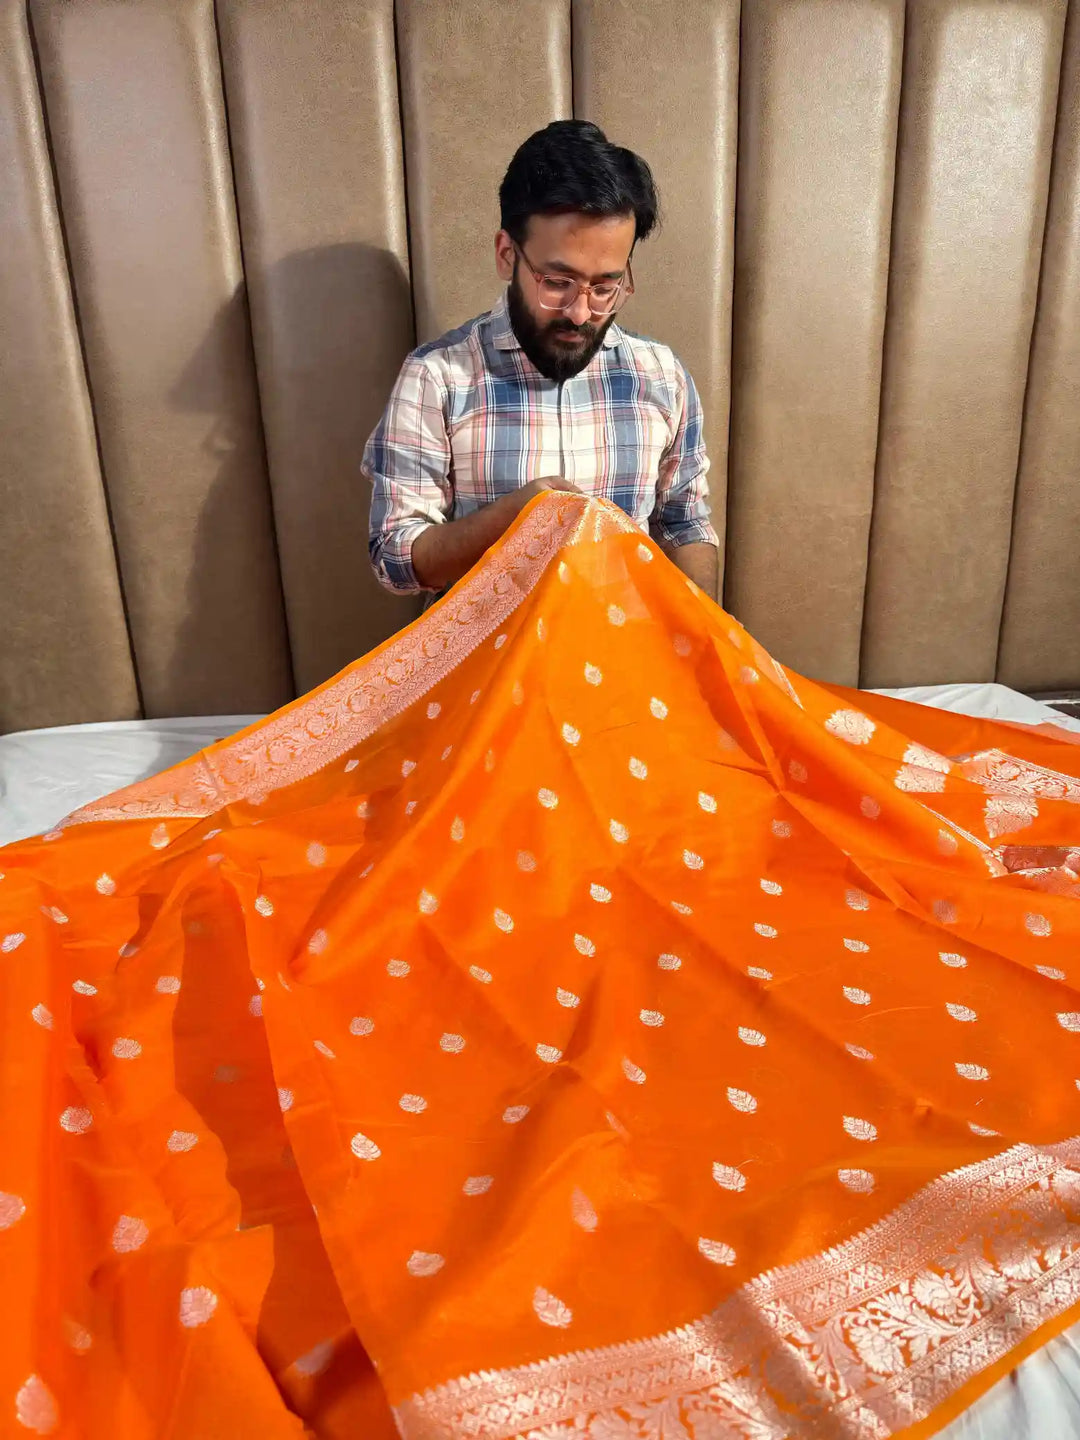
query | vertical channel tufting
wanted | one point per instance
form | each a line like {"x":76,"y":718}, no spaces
{"x":65,"y":654}
{"x":477,"y":78}
{"x":314,"y":120}
{"x":625,"y":58}
{"x":811,"y":273}
{"x":133,"y":89}
{"x":1040,"y":641}
{"x":976,"y":132}
{"x":903,"y":406}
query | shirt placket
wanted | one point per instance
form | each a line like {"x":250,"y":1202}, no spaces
{"x":550,"y":439}
{"x":567,"y":467}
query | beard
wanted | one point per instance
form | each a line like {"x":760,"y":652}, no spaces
{"x":554,"y":360}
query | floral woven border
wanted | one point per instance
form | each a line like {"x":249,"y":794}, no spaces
{"x":860,"y":1341}
{"x":320,"y":728}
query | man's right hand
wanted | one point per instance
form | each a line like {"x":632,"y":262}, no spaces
{"x":545,"y":482}
{"x":441,"y":554}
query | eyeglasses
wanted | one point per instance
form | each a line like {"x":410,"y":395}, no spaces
{"x":560,"y":292}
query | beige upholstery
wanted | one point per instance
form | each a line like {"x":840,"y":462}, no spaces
{"x":222,"y":228}
{"x":685,"y":62}
{"x":64,"y":652}
{"x":1040,"y":639}
{"x":820,"y":89}
{"x":137,"y":121}
{"x":476,"y":78}
{"x":316,"y":147}
{"x":976,"y":133}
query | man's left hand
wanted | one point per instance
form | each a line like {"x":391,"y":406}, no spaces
{"x":700,"y":562}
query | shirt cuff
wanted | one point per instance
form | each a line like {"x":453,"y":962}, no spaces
{"x":687,"y":532}
{"x":391,"y":558}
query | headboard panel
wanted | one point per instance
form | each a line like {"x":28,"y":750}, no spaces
{"x":1040,"y":637}
{"x":64,"y":652}
{"x":138,"y":130}
{"x":223,"y":227}
{"x":684,"y":64}
{"x":812,"y":264}
{"x":976,"y":135}
{"x":317,"y":157}
{"x":475,"y":80}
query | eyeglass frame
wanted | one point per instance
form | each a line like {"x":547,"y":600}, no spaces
{"x":625,"y":287}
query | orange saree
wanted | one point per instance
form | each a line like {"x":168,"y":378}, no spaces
{"x":563,"y":1023}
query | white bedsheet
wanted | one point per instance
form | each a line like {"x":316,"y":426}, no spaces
{"x":46,"y":774}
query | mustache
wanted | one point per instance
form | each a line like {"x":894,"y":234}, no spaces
{"x":567,"y":327}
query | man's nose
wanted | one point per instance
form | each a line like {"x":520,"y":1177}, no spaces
{"x":579,"y":311}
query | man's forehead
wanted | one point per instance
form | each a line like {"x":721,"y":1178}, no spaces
{"x":585,"y":245}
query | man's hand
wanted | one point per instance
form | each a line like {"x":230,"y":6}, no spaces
{"x":699,"y":561}
{"x":441,"y":554}
{"x":546,"y":482}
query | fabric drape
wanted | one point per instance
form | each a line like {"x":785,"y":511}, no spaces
{"x":564,"y":1022}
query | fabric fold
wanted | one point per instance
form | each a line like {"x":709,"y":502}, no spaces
{"x":564,"y":1022}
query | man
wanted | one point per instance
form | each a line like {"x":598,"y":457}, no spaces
{"x":545,"y":392}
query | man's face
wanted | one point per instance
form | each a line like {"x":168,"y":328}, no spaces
{"x":587,"y":248}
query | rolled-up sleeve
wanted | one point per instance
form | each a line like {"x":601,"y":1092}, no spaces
{"x":681,"y":516}
{"x":407,"y":459}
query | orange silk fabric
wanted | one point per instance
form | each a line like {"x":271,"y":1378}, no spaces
{"x":567,"y":997}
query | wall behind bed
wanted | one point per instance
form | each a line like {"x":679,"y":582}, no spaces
{"x":222,"y":227}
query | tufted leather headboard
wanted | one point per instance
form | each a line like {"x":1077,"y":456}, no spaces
{"x":222,"y":227}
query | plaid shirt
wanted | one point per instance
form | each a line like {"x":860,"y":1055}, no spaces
{"x":470,"y":418}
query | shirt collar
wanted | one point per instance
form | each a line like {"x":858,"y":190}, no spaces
{"x":503,"y":337}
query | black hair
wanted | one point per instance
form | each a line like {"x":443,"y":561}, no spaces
{"x":571,"y":165}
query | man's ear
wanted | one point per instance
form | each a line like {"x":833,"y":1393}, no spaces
{"x":504,"y":256}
